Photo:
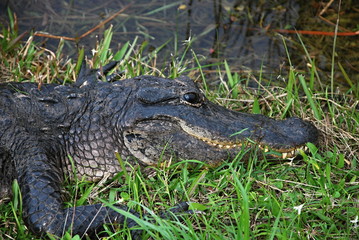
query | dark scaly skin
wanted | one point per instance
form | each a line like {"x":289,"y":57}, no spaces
{"x":91,"y":121}
{"x":33,"y":146}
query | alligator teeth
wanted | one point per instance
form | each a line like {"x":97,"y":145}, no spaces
{"x":285,"y":154}
{"x":220,"y":145}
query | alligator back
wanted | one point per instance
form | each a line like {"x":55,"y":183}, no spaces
{"x":40,"y":126}
{"x":43,"y":112}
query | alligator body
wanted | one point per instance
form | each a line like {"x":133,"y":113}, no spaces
{"x":92,"y":120}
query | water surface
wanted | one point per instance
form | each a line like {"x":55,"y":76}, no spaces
{"x":242,"y":32}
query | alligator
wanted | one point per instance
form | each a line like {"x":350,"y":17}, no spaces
{"x":45,"y":130}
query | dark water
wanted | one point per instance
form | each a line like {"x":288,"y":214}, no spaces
{"x":239,"y":31}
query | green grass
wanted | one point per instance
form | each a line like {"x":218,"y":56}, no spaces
{"x":313,"y":198}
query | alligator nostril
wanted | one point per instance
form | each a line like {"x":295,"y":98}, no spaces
{"x":301,"y":129}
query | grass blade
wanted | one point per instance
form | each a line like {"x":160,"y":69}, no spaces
{"x":313,"y":105}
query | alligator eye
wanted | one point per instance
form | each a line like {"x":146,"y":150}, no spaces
{"x":192,"y":98}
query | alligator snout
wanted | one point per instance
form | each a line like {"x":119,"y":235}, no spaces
{"x":289,"y":134}
{"x":300,"y":131}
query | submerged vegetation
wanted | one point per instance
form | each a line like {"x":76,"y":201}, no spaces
{"x":312,"y":198}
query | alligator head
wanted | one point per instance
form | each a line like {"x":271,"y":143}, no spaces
{"x":175,"y":115}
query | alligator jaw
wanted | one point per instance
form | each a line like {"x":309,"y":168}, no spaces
{"x":227,"y":145}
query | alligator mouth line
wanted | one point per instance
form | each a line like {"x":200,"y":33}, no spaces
{"x":284,"y":153}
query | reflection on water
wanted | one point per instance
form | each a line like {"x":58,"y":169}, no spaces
{"x":239,"y":31}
